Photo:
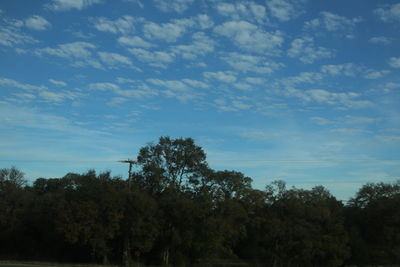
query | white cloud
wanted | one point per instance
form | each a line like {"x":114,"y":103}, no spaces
{"x":394,"y":62}
{"x":222,"y":76}
{"x":375,"y":74}
{"x":255,"y":80}
{"x":323,"y":97}
{"x":123,"y":25}
{"x":134,"y":41}
{"x":391,"y":139}
{"x":380,"y":40}
{"x":347,"y":69}
{"x":303,"y":77}
{"x":12,"y":36}
{"x":195,"y":83}
{"x":389,"y":13}
{"x":204,"y":21}
{"x":201,"y":46}
{"x":140,"y":91}
{"x":349,"y":131}
{"x":153,"y":58}
{"x":138,"y":2}
{"x":283,"y":10}
{"x":114,"y":59}
{"x":307,"y":52}
{"x":251,"y":38}
{"x":321,"y":121}
{"x":103,"y":86}
{"x":64,"y":5}
{"x":79,"y":53}
{"x":332,"y":22}
{"x":173,"y":5}
{"x":37,"y":23}
{"x":58,"y":83}
{"x":259,"y":135}
{"x":168,"y":32}
{"x":5,"y":82}
{"x":231,"y":106}
{"x":56,"y":97}
{"x":181,"y":90}
{"x":248,"y":11}
{"x":250,"y":63}
{"x":69,"y":50}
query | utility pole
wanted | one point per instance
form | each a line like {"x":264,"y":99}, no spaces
{"x":131,"y":162}
{"x":126,"y":251}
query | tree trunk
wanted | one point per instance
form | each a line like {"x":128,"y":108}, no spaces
{"x":105,"y":259}
{"x":126,"y":254}
{"x":166,"y":256}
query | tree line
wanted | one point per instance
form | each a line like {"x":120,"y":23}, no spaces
{"x":175,"y":210}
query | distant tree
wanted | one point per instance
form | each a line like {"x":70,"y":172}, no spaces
{"x":14,"y":199}
{"x":91,"y":212}
{"x":373,"y":219}
{"x":298,"y":228}
{"x":12,"y":176}
{"x":171,"y":163}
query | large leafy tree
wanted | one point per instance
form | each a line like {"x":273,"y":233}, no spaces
{"x":373,"y":219}
{"x":171,"y":163}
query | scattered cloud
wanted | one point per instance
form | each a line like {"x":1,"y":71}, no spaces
{"x":204,"y":21}
{"x":301,"y":78}
{"x":389,"y":13}
{"x":284,"y":10}
{"x":349,"y":131}
{"x":12,"y":36}
{"x":241,"y":10}
{"x":79,"y":53}
{"x":259,"y":135}
{"x":58,"y":83}
{"x":181,"y":90}
{"x":332,"y":22}
{"x":69,"y":50}
{"x":137,"y":2}
{"x":321,"y":121}
{"x":305,"y":50}
{"x":251,"y":63}
{"x":168,"y":32}
{"x":227,"y":105}
{"x":173,"y":5}
{"x":153,"y":58}
{"x":324,"y":97}
{"x":123,"y":25}
{"x":114,"y":60}
{"x":5,"y":82}
{"x":200,"y":46}
{"x":380,"y":40}
{"x":134,"y":41}
{"x":222,"y":76}
{"x":394,"y":62}
{"x":65,"y":5}
{"x":57,"y":97}
{"x":103,"y":86}
{"x":391,"y":139}
{"x":375,"y":74}
{"x":37,"y":23}
{"x":249,"y":37}
{"x":346,"y":69}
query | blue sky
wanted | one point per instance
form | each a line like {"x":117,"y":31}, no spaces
{"x":303,"y":91}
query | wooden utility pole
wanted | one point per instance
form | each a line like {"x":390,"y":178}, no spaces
{"x":126,"y":253}
{"x":131,"y":162}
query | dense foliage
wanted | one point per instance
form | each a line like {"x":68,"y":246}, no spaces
{"x":175,"y":210}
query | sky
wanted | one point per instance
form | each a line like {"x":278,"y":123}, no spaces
{"x":302,"y":91}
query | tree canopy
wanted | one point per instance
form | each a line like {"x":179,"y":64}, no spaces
{"x":176,"y":210}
